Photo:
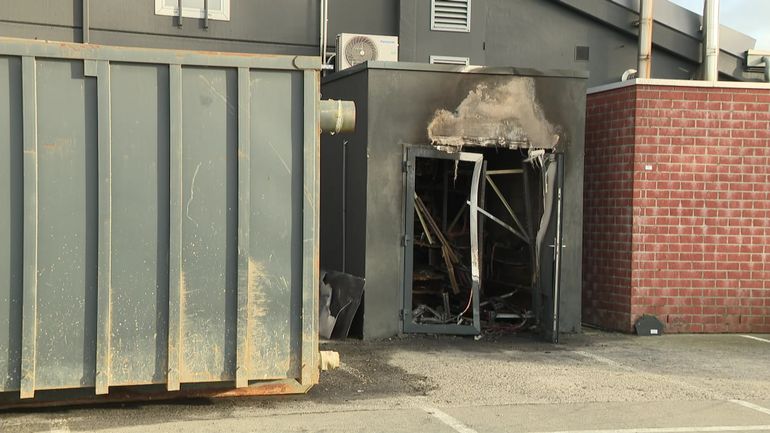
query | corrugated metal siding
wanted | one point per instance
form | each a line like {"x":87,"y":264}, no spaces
{"x":163,"y":228}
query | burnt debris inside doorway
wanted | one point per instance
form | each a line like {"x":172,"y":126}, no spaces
{"x":483,"y":218}
{"x":505,"y":294}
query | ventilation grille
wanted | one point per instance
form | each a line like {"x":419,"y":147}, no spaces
{"x":450,"y":15}
{"x":449,"y":60}
{"x":582,"y":53}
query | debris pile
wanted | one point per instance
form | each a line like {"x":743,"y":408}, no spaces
{"x":443,"y":285}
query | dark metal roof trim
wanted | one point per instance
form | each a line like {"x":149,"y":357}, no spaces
{"x":427,"y":67}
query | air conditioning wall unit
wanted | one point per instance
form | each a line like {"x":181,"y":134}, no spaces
{"x":353,"y":49}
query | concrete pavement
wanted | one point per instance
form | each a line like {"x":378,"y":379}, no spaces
{"x":592,"y":382}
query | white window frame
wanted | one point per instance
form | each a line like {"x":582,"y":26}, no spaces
{"x":450,"y":60}
{"x":162,"y":8}
{"x":438,"y":27}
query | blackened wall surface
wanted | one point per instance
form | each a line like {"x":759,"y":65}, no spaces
{"x":343,"y":183}
{"x":400,"y":100}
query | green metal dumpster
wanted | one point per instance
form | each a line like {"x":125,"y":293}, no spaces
{"x":158,"y":223}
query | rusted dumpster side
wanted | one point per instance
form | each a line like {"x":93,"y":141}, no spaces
{"x":158,"y":222}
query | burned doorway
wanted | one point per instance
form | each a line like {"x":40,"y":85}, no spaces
{"x":481,"y":229}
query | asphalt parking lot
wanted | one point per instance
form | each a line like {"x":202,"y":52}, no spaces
{"x":600,"y":382}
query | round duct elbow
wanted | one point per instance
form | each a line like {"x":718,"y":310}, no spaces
{"x":338,"y":116}
{"x":628,"y":74}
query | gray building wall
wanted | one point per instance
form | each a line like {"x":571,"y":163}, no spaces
{"x":523,"y":33}
{"x":544,"y":34}
{"x":255,"y":26}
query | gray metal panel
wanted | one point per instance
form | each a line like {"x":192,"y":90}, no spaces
{"x":104,"y":232}
{"x":275,"y":239}
{"x":384,"y":91}
{"x":407,"y":30}
{"x":63,"y":13}
{"x":570,"y":318}
{"x":68,"y":219}
{"x":21,"y":47}
{"x":310,"y":226}
{"x":244,"y":225}
{"x":332,"y":191}
{"x":522,"y":33}
{"x":30,"y":243}
{"x":497,"y":31}
{"x":343,"y":219}
{"x":250,"y":20}
{"x":126,"y":211}
{"x":377,"y":17}
{"x":611,"y":52}
{"x":429,"y":42}
{"x":254,"y":26}
{"x":564,"y":105}
{"x":140,"y":213}
{"x":34,"y":31}
{"x":11,"y":217}
{"x":175,"y":276}
{"x":209,"y":224}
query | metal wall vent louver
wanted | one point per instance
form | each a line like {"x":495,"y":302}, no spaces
{"x":449,"y":60}
{"x":450,"y":15}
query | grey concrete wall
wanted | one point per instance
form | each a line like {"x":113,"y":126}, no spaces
{"x":258,"y":26}
{"x":418,"y":42}
{"x":546,"y":37}
{"x":525,"y":33}
{"x":534,"y":34}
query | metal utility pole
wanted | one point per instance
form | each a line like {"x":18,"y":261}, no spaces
{"x":711,"y":40}
{"x":645,"y":38}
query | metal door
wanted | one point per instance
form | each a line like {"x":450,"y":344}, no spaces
{"x":549,"y":249}
{"x":412,"y":154}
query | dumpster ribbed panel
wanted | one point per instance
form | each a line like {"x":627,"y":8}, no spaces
{"x":158,"y":219}
{"x":140,"y":224}
{"x":11,"y":228}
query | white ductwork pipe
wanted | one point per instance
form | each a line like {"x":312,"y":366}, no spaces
{"x":645,"y":38}
{"x":324,"y":26}
{"x":711,"y":40}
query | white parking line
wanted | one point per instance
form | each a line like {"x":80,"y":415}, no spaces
{"x":755,"y":338}
{"x":724,"y":428}
{"x":756,"y":407}
{"x":606,"y":361}
{"x":449,"y":420}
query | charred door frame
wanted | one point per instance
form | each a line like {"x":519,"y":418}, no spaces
{"x":546,"y":296}
{"x":412,"y":153}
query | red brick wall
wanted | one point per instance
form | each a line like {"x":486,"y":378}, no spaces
{"x":699,"y":218}
{"x":607,"y":211}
